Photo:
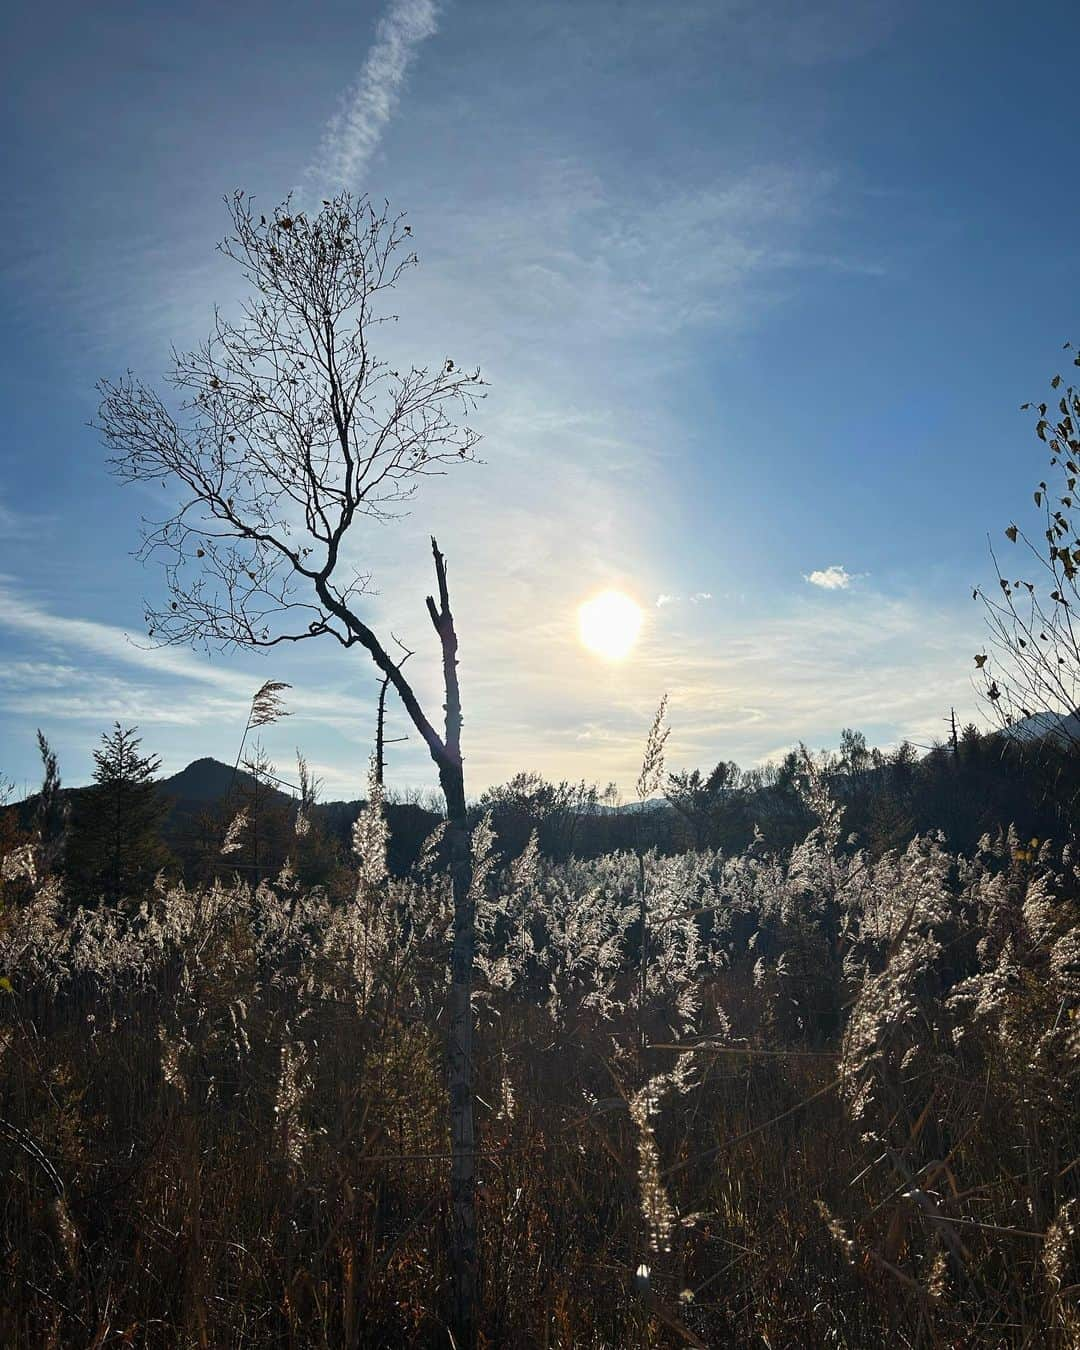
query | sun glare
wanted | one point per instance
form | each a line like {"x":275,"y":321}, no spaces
{"x":609,"y":624}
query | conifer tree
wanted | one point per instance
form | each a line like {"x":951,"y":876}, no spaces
{"x":116,"y":849}
{"x":52,"y":811}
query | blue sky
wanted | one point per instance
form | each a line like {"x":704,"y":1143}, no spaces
{"x":759,"y":288}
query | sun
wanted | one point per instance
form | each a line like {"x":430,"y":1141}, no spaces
{"x":609,"y":624}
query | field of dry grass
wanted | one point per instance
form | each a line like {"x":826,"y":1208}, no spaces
{"x":840,"y":1109}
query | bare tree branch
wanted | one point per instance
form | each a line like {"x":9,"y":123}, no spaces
{"x":1032,"y":621}
{"x":285,"y":433}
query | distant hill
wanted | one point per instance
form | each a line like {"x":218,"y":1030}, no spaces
{"x":630,"y":808}
{"x":1045,"y":726}
{"x":203,"y":785}
{"x":208,"y":787}
{"x":205,"y":780}
{"x":207,"y":783}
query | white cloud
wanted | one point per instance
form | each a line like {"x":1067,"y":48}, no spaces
{"x":20,"y":614}
{"x":698,"y":598}
{"x":89,"y":680}
{"x":354,"y":134}
{"x":18,"y":526}
{"x":834,"y":578}
{"x":564,"y":247}
{"x":79,"y":675}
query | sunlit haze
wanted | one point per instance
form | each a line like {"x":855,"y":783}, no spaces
{"x":757,"y":291}
{"x":609,"y":624}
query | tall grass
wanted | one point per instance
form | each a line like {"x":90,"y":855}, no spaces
{"x":852,"y":1119}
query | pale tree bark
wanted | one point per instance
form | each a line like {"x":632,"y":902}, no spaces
{"x":460,"y":1034}
{"x":445,"y":752}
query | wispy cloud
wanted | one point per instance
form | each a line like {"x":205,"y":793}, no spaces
{"x":78,"y":675}
{"x":834,"y":578}
{"x":20,"y":613}
{"x":562,"y":244}
{"x":10,"y":524}
{"x":354,"y":134}
{"x":15,"y":525}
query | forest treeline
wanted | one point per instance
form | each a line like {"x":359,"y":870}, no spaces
{"x":113,"y":838}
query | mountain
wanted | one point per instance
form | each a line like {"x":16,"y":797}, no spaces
{"x":204,"y":796}
{"x":1045,"y":726}
{"x":631,"y":808}
{"x":205,"y":780}
{"x":207,"y":784}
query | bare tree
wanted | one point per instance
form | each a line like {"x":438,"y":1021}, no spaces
{"x":286,"y":434}
{"x":381,"y":741}
{"x":1032,"y":669}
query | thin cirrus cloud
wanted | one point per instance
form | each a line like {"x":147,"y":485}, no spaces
{"x":230,"y":688}
{"x":97,"y":673}
{"x":354,"y":134}
{"x":19,"y":613}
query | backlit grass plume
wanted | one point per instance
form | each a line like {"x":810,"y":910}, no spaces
{"x":268,"y":706}
{"x":852,"y":1119}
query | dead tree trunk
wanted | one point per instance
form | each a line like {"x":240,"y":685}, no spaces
{"x":380,"y":732}
{"x":460,"y":1035}
{"x":445,"y":751}
{"x":380,"y":722}
{"x":315,"y":280}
